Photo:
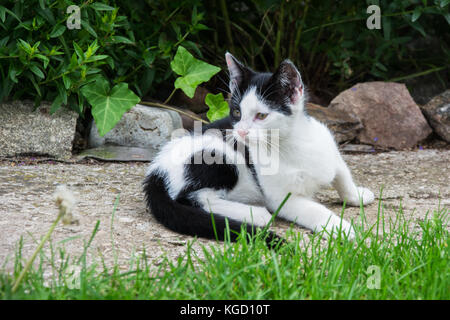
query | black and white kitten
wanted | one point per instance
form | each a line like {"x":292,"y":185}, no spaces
{"x":199,"y":174}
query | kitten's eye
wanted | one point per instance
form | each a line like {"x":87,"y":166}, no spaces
{"x":236,"y":113}
{"x":261,"y":116}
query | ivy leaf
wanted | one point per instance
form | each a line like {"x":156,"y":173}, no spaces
{"x":108,"y":106}
{"x":218,"y":107}
{"x":192,"y":72}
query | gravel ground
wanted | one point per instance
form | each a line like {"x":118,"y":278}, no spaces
{"x":417,"y":179}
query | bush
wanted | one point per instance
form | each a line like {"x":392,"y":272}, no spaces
{"x":330,"y":42}
{"x":132,"y":43}
{"x":118,"y":43}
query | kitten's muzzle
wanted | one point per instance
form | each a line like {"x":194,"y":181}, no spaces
{"x":243,"y":133}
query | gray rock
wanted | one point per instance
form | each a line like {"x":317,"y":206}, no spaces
{"x":345,"y":126}
{"x":390,"y":117}
{"x":142,"y":126}
{"x":24,"y":131}
{"x":118,"y":153}
{"x":437,"y":111}
{"x":357,"y":148}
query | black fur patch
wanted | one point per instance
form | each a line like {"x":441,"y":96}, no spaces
{"x":217,"y":176}
{"x":276,"y":89}
{"x":268,"y":89}
{"x":186,"y":217}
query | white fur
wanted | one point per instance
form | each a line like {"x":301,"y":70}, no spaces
{"x":308,"y":159}
{"x":213,"y":202}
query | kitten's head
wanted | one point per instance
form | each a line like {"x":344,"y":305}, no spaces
{"x":263,"y":100}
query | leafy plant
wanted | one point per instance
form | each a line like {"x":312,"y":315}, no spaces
{"x":108,"y":106}
{"x":192,"y":72}
{"x":134,"y":43}
{"x":218,"y":107}
{"x":330,"y":42}
{"x":117,"y":46}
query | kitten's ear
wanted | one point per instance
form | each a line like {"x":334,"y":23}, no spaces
{"x":290,"y":81}
{"x":238,"y":72}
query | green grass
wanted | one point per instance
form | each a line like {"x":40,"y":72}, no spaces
{"x":411,"y":259}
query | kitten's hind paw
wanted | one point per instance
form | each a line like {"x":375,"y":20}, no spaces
{"x":364,"y":194}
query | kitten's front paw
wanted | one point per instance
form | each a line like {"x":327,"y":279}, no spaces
{"x":259,"y":216}
{"x":363,"y":194}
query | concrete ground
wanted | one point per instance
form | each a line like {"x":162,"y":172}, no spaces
{"x":417,"y":179}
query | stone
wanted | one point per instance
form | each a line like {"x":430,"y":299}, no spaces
{"x":188,"y":117}
{"x":437,"y":112}
{"x":345,"y":126}
{"x":357,"y":148}
{"x":25,"y":131}
{"x":119,"y":153}
{"x":389,"y":115}
{"x":142,"y":126}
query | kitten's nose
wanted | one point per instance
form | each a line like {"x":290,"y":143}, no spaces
{"x":242,"y":132}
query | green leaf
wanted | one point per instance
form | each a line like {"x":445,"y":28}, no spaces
{"x":97,"y":58}
{"x":149,"y":57}
{"x":108,"y":106}
{"x":85,"y":24}
{"x":56,"y":104}
{"x":80,"y":103}
{"x":12,"y":73}
{"x":62,"y":92}
{"x":98,"y":6}
{"x":43,"y":58}
{"x":192,"y":72}
{"x":67,"y":81}
{"x":92,"y":48}
{"x":47,"y":14}
{"x":35,"y":69}
{"x":120,"y":39}
{"x":2,"y":13}
{"x":4,"y":41}
{"x":416,"y":25}
{"x":147,"y":80}
{"x":79,"y":51}
{"x":25,"y":46}
{"x":218,"y":107}
{"x":33,"y":81}
{"x":57,"y":30}
{"x":380,"y":66}
{"x":447,"y":17}
{"x":192,"y":46}
{"x":73,"y":61}
{"x":416,"y":14}
{"x":3,"y":9}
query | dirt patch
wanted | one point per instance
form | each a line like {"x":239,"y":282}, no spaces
{"x":417,"y":179}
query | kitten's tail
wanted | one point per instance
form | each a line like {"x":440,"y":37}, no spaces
{"x":191,"y":220}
